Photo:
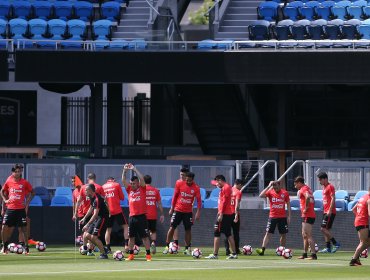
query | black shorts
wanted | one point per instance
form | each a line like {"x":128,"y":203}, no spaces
{"x":224,"y":226}
{"x":81,"y":225}
{"x":327,"y":221}
{"x":98,"y":227}
{"x":119,"y":218}
{"x":138,"y":226}
{"x":1,"y":219}
{"x":186,"y":218}
{"x":282,"y":224}
{"x":15,"y":218}
{"x":308,"y":220}
{"x":152,"y":225}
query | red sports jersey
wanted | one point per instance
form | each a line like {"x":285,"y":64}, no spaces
{"x":235,"y":196}
{"x":224,"y":200}
{"x":277,"y":202}
{"x":184,"y":195}
{"x":17,"y":191}
{"x":136,"y":200}
{"x":362,"y":213}
{"x":311,"y":211}
{"x":327,"y":192}
{"x":85,"y":200}
{"x":75,"y":197}
{"x":113,"y":196}
{"x":152,"y":197}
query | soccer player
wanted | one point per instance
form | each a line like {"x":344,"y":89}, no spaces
{"x":138,"y":224}
{"x":308,"y":215}
{"x":17,"y":194}
{"x":236,"y":197}
{"x":328,"y":195}
{"x":77,"y":184}
{"x":113,"y":195}
{"x":278,"y":198}
{"x":182,"y":210}
{"x":95,"y":226}
{"x":225,"y":218}
{"x":153,"y":201}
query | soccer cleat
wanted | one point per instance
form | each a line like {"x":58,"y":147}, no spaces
{"x":212,"y":257}
{"x":312,"y":257}
{"x":32,"y":242}
{"x":131,"y":257}
{"x":91,"y":254}
{"x":153,"y":249}
{"x":335,"y":247}
{"x":103,"y":257}
{"x":325,"y":250}
{"x":165,"y":251}
{"x":26,"y":250}
{"x":354,"y":262}
{"x":303,"y":256}
{"x":4,"y":251}
{"x":109,"y":251}
{"x":260,"y":252}
{"x":148,"y":258}
{"x":228,"y":252}
{"x":232,"y":257}
{"x":187,"y":252}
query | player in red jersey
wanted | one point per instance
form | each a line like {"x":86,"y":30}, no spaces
{"x":153,"y":202}
{"x":225,"y":218}
{"x":328,"y":195}
{"x":278,"y":198}
{"x":17,"y":194}
{"x":77,"y":184}
{"x":362,"y":212}
{"x":182,"y":210}
{"x":114,"y":195}
{"x":308,"y":215}
{"x":138,"y":224}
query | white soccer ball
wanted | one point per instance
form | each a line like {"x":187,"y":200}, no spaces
{"x":364,"y":254}
{"x":118,"y":255}
{"x":19,"y":249}
{"x":136,"y":249}
{"x":279,"y":250}
{"x":196,"y":253}
{"x":11,"y":247}
{"x":82,"y":250}
{"x":90,"y":246}
{"x":247,"y":250}
{"x":173,"y":248}
{"x":287,"y":253}
{"x":316,"y":248}
{"x":79,"y":240}
{"x":41,"y":246}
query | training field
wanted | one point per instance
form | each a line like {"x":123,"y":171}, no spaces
{"x":66,"y":263}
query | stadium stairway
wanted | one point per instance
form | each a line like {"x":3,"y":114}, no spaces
{"x":238,"y":15}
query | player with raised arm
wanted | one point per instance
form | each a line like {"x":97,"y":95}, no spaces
{"x":153,"y":202}
{"x":224,"y":219}
{"x":113,"y":195}
{"x":308,"y":215}
{"x":278,"y":198}
{"x":182,"y":210}
{"x":138,"y":224}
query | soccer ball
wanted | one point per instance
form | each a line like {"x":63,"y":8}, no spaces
{"x":18,"y":249}
{"x":279,"y":250}
{"x":316,"y":248}
{"x":90,"y":246}
{"x":196,"y":253}
{"x":79,"y":240}
{"x":118,"y":255}
{"x":364,"y":254}
{"x":173,"y":248}
{"x":247,"y":250}
{"x":41,"y":246}
{"x":287,"y":253}
{"x":82,"y":250}
{"x":136,"y":249}
{"x":11,"y":247}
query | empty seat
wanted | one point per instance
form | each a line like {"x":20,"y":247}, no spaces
{"x":366,"y":12}
{"x":316,"y":30}
{"x":84,"y":10}
{"x":111,"y":11}
{"x":355,"y":9}
{"x":324,"y":10}
{"x":350,"y":29}
{"x":43,"y":193}
{"x":61,"y":201}
{"x":282,"y":31}
{"x":214,"y":193}
{"x":3,"y":29}
{"x":210,"y":203}
{"x":317,"y":194}
{"x":22,"y":9}
{"x":18,"y":29}
{"x":37,"y":29}
{"x":340,"y":205}
{"x":268,"y":11}
{"x":57,"y":29}
{"x":207,"y":44}
{"x":318,"y":205}
{"x":5,"y":10}
{"x":308,"y":11}
{"x":259,"y":30}
{"x":63,"y":10}
{"x":299,"y":29}
{"x":42,"y":9}
{"x":342,"y":194}
{"x":358,"y":195}
{"x":339,"y":9}
{"x":36,"y":201}
{"x":295,"y":204}
{"x":63,"y":191}
{"x":291,"y":11}
{"x":102,"y":30}
{"x":364,"y":33}
{"x":77,"y":31}
{"x":333,"y":29}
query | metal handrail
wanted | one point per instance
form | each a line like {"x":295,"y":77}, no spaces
{"x":170,"y":30}
{"x":259,"y":170}
{"x":291,"y":167}
{"x":216,"y":7}
{"x":152,"y":8}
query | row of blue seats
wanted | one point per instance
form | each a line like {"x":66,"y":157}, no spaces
{"x":61,"y":9}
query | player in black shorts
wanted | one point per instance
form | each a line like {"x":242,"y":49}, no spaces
{"x":96,"y":226}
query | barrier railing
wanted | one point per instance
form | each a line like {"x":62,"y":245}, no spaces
{"x":259,"y":172}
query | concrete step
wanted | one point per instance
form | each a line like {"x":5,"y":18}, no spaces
{"x":131,"y":34}
{"x":239,"y":17}
{"x":135,"y":16}
{"x":234,"y":22}
{"x":243,"y":4}
{"x":232,"y":35}
{"x":238,"y":10}
{"x":135,"y":4}
{"x":137,"y":10}
{"x":233,"y":29}
{"x":133,"y":22}
{"x":132,"y":28}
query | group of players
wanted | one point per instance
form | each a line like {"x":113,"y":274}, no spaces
{"x":96,"y":208}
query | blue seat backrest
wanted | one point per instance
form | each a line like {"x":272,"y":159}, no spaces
{"x":214,"y":193}
{"x":295,"y":203}
{"x":341,"y":194}
{"x":168,"y":191}
{"x":36,"y":201}
{"x":63,"y":191}
{"x":61,"y":201}
{"x":317,"y":194}
{"x":102,"y":27}
{"x":57,"y":27}
{"x":76,"y":27}
{"x":38,"y":26}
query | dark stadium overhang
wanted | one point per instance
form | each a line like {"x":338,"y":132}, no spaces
{"x":250,"y":67}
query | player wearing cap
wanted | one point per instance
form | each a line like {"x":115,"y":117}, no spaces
{"x":278,"y":198}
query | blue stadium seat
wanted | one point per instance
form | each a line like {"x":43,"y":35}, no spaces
{"x":318,"y":205}
{"x":37,"y":29}
{"x":43,"y":9}
{"x":43,"y":193}
{"x":339,"y":10}
{"x":283,"y":31}
{"x":61,"y":201}
{"x":225,"y":44}
{"x":210,"y":203}
{"x":5,"y":10}
{"x":3,"y":30}
{"x":22,"y":9}
{"x":84,"y":10}
{"x":317,"y":194}
{"x":308,"y":11}
{"x":340,"y":205}
{"x":63,"y":10}
{"x":167,"y":191}
{"x":291,"y":11}
{"x":137,"y":44}
{"x":36,"y":201}
{"x":63,"y":191}
{"x":77,"y":31}
{"x":111,"y":11}
{"x":342,"y":194}
{"x":355,"y":9}
{"x":333,"y":29}
{"x":203,"y":193}
{"x":358,"y":195}
{"x":259,"y":30}
{"x":118,"y":44}
{"x":214,"y":193}
{"x":316,"y":29}
{"x":299,"y":29}
{"x":57,"y":29}
{"x":294,"y":204}
{"x":18,"y":29}
{"x":207,"y":44}
{"x":102,"y":30}
{"x":268,"y":11}
{"x":124,"y":203}
{"x":324,"y":10}
{"x":350,"y":29}
{"x":364,"y":33}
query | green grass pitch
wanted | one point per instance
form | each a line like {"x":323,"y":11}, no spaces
{"x":65,"y":262}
